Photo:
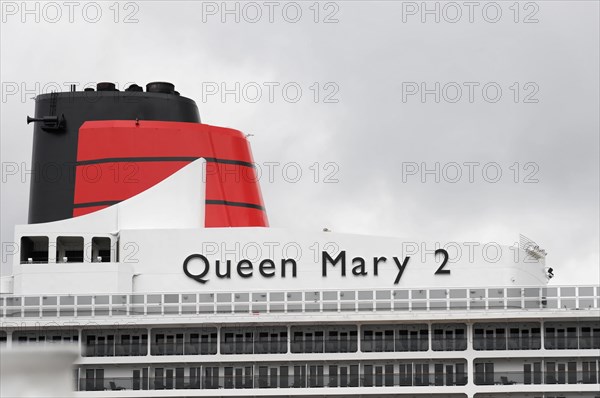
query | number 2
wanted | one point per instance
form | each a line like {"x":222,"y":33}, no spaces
{"x":441,"y":270}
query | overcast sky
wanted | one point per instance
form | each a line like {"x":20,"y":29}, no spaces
{"x":508,"y":88}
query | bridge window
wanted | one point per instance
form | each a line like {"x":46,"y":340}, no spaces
{"x":101,"y":250}
{"x":34,"y":249}
{"x":69,"y":249}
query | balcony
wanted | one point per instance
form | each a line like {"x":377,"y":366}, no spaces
{"x":112,"y":350}
{"x":270,"y":381}
{"x":518,"y":377}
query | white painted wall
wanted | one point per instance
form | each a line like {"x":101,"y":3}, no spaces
{"x":159,"y":228}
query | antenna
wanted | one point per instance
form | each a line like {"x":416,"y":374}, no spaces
{"x":532,"y":248}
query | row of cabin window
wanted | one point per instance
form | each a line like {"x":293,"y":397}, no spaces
{"x":549,"y":372}
{"x":273,"y":342}
{"x":318,"y":341}
{"x":345,"y":375}
{"x":283,"y":376}
{"x":507,"y":338}
{"x":123,"y":345}
{"x":46,"y":339}
{"x":572,"y":337}
{"x":561,"y":337}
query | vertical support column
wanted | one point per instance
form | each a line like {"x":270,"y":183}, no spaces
{"x":542,"y":335}
{"x":80,"y":341}
{"x":470,"y":337}
{"x":149,"y":346}
{"x":289,"y":339}
{"x":470,"y":372}
{"x":87,"y":250}
{"x":77,"y":377}
{"x":306,"y":375}
{"x":359,"y":335}
{"x":218,"y":340}
{"x":9,"y":339}
{"x":114,"y":248}
{"x":469,"y":356}
{"x":52,"y":249}
{"x":430,"y":336}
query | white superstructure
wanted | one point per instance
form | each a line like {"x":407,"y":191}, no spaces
{"x":158,"y":305}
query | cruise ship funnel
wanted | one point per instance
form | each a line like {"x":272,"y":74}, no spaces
{"x":96,"y":148}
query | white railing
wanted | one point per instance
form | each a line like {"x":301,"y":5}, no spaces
{"x":319,"y":301}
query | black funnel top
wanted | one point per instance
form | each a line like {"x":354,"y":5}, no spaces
{"x":58,"y":117}
{"x":160,"y":87}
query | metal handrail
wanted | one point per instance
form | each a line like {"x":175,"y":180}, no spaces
{"x":119,"y":304}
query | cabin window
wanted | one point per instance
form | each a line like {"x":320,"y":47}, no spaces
{"x":94,"y":380}
{"x":484,"y":374}
{"x":450,"y":337}
{"x":69,"y":249}
{"x":101,"y":250}
{"x":34,"y":249}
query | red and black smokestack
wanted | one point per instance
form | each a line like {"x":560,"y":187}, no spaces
{"x":95,"y":148}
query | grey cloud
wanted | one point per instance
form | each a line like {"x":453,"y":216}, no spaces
{"x":370,"y":133}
